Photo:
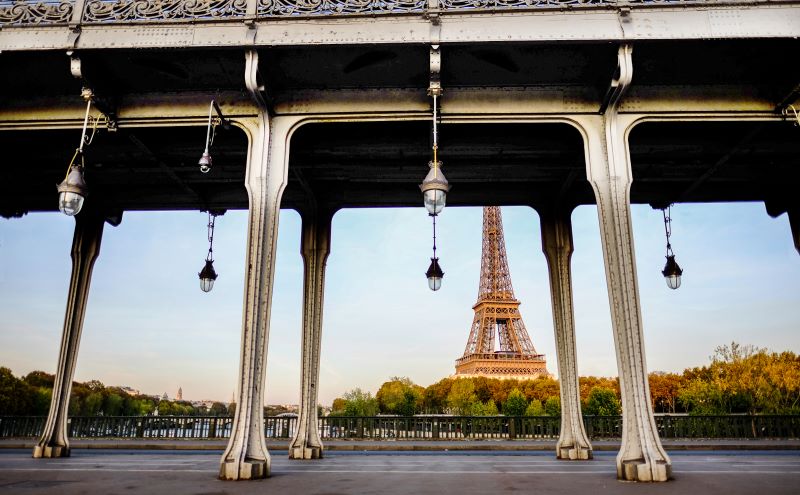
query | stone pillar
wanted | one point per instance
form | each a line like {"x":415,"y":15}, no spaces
{"x":315,"y":248}
{"x":246,"y":456}
{"x":85,"y":249}
{"x":641,"y":456}
{"x":573,"y":443}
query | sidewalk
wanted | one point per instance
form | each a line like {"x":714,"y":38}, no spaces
{"x":411,"y":445}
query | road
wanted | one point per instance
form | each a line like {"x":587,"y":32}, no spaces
{"x":387,"y":473}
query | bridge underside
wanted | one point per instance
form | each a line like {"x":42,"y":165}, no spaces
{"x":149,"y":163}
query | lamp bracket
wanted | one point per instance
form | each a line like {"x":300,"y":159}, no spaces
{"x":792,"y":113}
{"x":224,"y":122}
{"x":106,"y":105}
{"x":435,"y":85}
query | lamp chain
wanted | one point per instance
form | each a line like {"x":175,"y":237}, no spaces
{"x":434,"y":236}
{"x":668,"y":227}
{"x":211,"y":218}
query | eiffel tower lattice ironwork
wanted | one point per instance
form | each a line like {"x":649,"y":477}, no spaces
{"x":499,"y":345}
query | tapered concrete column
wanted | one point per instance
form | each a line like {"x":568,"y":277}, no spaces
{"x":573,"y":443}
{"x":641,"y":456}
{"x":85,"y":249}
{"x":246,"y":456}
{"x":315,"y":248}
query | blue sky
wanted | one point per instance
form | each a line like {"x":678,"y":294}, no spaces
{"x":149,"y":326}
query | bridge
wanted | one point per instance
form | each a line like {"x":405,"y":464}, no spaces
{"x":326,"y":104}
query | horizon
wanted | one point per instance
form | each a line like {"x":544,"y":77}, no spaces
{"x":148,"y":326}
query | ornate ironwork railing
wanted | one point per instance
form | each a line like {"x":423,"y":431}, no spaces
{"x":49,"y":12}
{"x":406,"y":428}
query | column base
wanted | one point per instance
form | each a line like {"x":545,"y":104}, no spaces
{"x":250,"y":469}
{"x":305,"y":453}
{"x":573,"y":453}
{"x":639,"y":470}
{"x":50,"y":451}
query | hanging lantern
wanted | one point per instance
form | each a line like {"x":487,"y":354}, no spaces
{"x":435,"y":275}
{"x":672,"y":271}
{"x":207,"y":274}
{"x":72,"y":191}
{"x":435,"y":186}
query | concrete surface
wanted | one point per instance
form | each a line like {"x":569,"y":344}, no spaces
{"x":388,"y":473}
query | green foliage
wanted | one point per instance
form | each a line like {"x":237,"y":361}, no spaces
{"x":461,"y":399}
{"x":15,"y":395}
{"x":552,"y":406}
{"x":516,"y":404}
{"x":400,"y":396}
{"x":535,"y":408}
{"x":602,"y":402}
{"x":218,"y":409}
{"x":356,"y":402}
{"x":701,"y":398}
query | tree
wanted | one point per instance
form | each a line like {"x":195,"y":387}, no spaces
{"x":400,"y":396}
{"x":664,"y":389}
{"x":516,"y":404}
{"x":702,"y":398}
{"x":552,"y":406}
{"x":434,"y":398}
{"x":15,"y":394}
{"x":218,"y":409}
{"x":39,"y":379}
{"x":112,"y":406}
{"x":93,"y":404}
{"x":535,"y":408}
{"x":360,"y":403}
{"x":603,"y":402}
{"x":488,"y":408}
{"x":462,"y":399}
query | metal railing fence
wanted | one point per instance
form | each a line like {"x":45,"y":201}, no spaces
{"x":406,"y":428}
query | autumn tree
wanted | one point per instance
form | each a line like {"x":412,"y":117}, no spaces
{"x":400,"y":396}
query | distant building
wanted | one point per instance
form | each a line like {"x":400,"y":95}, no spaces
{"x":180,"y":394}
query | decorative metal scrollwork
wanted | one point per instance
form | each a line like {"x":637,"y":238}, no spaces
{"x":138,"y":10}
{"x":21,"y":12}
{"x":285,"y":8}
{"x":28,"y":12}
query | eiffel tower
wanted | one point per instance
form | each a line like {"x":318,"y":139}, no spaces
{"x":499,"y":345}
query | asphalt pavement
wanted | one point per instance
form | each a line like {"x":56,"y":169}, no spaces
{"x":91,"y":471}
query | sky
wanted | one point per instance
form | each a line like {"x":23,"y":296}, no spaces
{"x":149,"y":326}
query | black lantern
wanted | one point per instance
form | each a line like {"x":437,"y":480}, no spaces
{"x":672,"y":271}
{"x":434,"y":273}
{"x":207,"y":274}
